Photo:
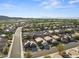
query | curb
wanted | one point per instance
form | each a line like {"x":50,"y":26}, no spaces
{"x":11,"y":47}
{"x":22,"y":53}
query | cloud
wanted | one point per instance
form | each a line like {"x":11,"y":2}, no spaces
{"x":54,"y":3}
{"x":6,"y":6}
{"x":73,"y":1}
{"x":36,"y":0}
{"x":57,"y":3}
{"x":50,"y":3}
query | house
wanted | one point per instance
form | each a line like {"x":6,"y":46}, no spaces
{"x":64,"y":40}
{"x":48,"y":39}
{"x":56,"y":31}
{"x":39,"y":40}
{"x":54,"y":27}
{"x":56,"y":37}
{"x":44,"y":42}
{"x":67,"y":38}
{"x":32,"y":44}
{"x":50,"y":31}
{"x":69,"y":30}
{"x":45,"y":33}
{"x":27,"y":45}
{"x":38,"y":34}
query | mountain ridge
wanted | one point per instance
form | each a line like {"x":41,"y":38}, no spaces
{"x":21,"y":18}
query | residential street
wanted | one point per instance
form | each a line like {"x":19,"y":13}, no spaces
{"x":16,"y":47}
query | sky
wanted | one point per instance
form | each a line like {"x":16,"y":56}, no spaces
{"x":39,"y":8}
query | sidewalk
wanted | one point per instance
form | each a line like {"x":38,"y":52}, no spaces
{"x":73,"y":53}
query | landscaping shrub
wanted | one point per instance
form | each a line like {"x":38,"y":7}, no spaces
{"x":47,"y":56}
{"x":5,"y":50}
{"x":28,"y":54}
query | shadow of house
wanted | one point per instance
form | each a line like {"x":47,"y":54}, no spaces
{"x":33,"y":46}
{"x":45,"y":45}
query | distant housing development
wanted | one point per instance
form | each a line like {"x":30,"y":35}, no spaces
{"x":39,"y":38}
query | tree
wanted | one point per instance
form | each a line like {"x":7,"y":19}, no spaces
{"x":75,"y":22}
{"x":28,"y":55}
{"x":60,"y":48}
{"x":76,"y":36}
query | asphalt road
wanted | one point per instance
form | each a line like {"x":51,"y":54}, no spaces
{"x":16,"y":47}
{"x":53,"y":49}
